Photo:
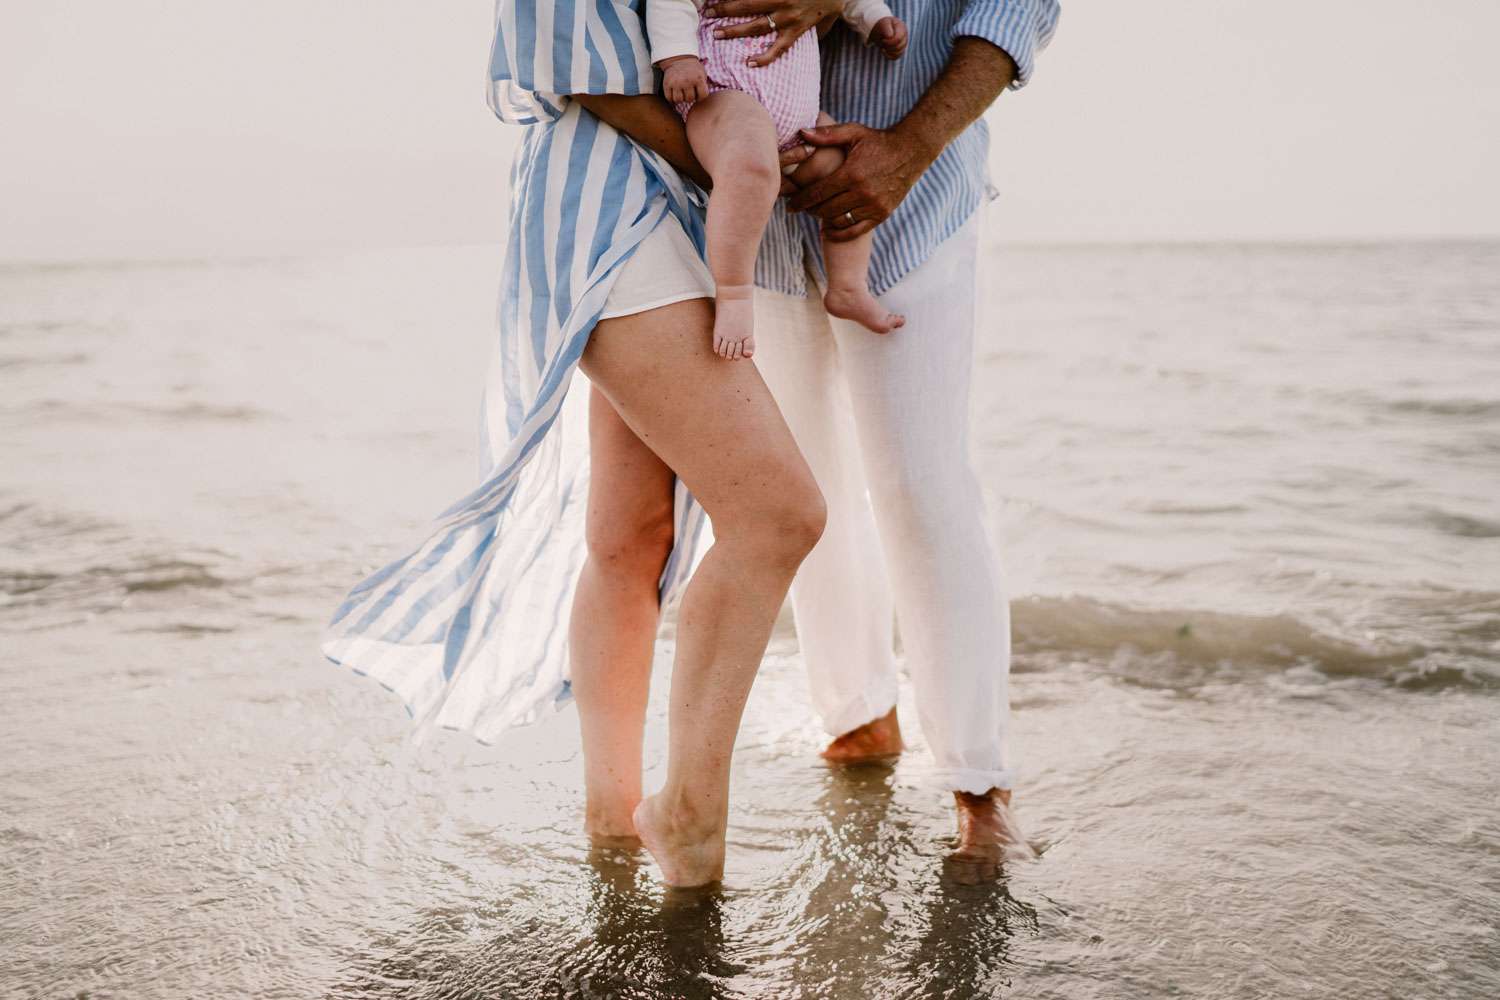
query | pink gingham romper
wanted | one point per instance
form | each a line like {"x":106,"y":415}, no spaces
{"x":788,"y":88}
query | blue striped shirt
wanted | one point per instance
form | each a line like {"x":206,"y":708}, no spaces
{"x":861,"y":85}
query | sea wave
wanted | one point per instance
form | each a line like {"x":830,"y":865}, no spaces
{"x":1184,"y":648}
{"x":61,"y":568}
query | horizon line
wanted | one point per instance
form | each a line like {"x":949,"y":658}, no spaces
{"x":84,"y":260}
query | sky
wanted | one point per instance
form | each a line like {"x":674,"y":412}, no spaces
{"x":170,"y":128}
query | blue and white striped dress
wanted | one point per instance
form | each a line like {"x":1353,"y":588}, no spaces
{"x":470,"y":629}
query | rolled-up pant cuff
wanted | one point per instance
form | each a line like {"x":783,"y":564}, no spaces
{"x":856,"y":713}
{"x":975,"y":781}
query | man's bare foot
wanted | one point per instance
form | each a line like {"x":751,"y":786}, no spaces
{"x":865,"y":309}
{"x":987,"y":829}
{"x":689,"y":852}
{"x":878,"y":740}
{"x":734,"y":322}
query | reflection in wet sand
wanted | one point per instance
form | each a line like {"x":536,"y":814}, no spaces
{"x":872,"y":916}
{"x":619,"y":935}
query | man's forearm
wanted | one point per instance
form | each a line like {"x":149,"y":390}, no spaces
{"x":650,"y":121}
{"x":976,"y":74}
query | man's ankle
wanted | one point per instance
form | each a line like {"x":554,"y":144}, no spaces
{"x":980,"y":800}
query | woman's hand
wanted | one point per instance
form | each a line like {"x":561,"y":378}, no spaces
{"x":787,"y":18}
{"x":683,"y":79}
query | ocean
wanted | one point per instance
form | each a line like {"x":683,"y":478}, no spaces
{"x":1249,"y":498}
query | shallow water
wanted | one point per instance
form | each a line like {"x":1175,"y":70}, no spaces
{"x":1248,"y":501}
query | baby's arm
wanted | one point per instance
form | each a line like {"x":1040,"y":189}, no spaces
{"x":877,"y":25}
{"x":672,"y":26}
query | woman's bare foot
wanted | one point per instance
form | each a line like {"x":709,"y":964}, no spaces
{"x":878,"y":740}
{"x":610,"y":827}
{"x":987,"y":829}
{"x":688,"y":851}
{"x":865,"y":309}
{"x":734,"y":321}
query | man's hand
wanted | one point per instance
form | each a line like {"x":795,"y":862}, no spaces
{"x":790,"y":17}
{"x":889,"y":36}
{"x":880,"y":167}
{"x":683,"y":79}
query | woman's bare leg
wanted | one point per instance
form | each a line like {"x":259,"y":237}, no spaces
{"x":613,"y":627}
{"x":733,"y":138}
{"x":717,"y":426}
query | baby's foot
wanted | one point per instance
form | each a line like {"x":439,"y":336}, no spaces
{"x":858,"y":304}
{"x":734,"y":321}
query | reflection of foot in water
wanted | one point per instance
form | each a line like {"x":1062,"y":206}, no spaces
{"x":639,"y":941}
{"x":966,"y":949}
{"x":876,"y":741}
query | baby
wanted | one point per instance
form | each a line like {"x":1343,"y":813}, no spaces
{"x":740,"y":115}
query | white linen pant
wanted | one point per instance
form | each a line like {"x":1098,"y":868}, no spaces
{"x":884,"y":424}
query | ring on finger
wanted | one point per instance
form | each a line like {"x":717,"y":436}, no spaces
{"x":848,"y":218}
{"x":771,"y":21}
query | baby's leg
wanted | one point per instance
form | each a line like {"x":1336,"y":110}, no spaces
{"x":848,"y":295}
{"x":734,"y":139}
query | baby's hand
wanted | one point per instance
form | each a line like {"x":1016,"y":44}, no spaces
{"x":683,"y":79}
{"x":889,"y":36}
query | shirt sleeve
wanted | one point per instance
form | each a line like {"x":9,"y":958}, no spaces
{"x":544,"y":50}
{"x":1021,"y":28}
{"x":672,"y":27}
{"x":863,"y":15}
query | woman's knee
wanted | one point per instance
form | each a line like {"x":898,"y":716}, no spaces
{"x":783,"y":523}
{"x":634,"y":545}
{"x":805,"y":518}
